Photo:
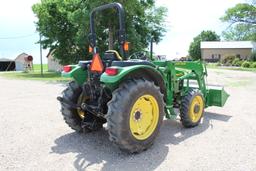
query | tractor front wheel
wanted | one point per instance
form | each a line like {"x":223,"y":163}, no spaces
{"x":192,"y":108}
{"x":135,"y":115}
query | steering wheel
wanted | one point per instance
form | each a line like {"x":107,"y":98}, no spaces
{"x":142,"y":55}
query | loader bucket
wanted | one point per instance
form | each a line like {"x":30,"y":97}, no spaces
{"x":216,"y":96}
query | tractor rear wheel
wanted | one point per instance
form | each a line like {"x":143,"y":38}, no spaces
{"x":74,"y":117}
{"x":192,"y":108}
{"x":135,"y":115}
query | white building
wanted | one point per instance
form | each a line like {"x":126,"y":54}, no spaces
{"x":23,"y":62}
{"x":53,"y":64}
{"x":213,"y":51}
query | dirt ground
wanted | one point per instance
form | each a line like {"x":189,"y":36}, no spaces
{"x":33,"y":135}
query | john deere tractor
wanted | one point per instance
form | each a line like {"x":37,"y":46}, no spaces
{"x":132,"y":94}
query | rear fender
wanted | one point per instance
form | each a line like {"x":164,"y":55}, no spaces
{"x":137,"y":71}
{"x":77,"y":73}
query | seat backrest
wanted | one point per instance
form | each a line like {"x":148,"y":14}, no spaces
{"x":112,"y":55}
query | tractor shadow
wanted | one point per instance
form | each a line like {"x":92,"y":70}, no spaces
{"x":95,"y":148}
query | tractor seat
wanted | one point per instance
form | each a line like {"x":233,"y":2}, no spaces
{"x":112,"y":55}
{"x":131,"y":63}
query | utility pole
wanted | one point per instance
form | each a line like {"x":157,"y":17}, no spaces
{"x":41,"y":59}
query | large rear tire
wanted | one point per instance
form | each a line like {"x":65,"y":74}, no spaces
{"x":74,"y":117}
{"x":135,"y":115}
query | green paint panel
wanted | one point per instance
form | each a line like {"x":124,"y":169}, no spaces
{"x":216,"y":96}
{"x":77,"y":73}
{"x":122,"y":72}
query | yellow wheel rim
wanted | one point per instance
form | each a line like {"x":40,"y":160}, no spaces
{"x":196,"y":108}
{"x":144,"y":117}
{"x":80,"y":100}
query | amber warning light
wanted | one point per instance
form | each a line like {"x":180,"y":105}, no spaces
{"x":126,"y":46}
{"x":90,"y":49}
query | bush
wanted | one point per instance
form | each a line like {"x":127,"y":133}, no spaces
{"x":228,"y":64}
{"x":236,"y":62}
{"x":253,"y":65}
{"x":246,"y":64}
{"x":240,"y":63}
{"x":218,"y":64}
{"x":228,"y":60}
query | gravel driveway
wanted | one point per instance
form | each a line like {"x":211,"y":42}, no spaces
{"x":33,"y":135}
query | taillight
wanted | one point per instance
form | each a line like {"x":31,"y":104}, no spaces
{"x":111,"y":71}
{"x":67,"y":68}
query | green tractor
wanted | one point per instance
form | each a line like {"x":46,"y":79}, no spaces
{"x":132,"y":94}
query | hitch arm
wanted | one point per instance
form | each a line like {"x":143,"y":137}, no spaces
{"x":83,"y":106}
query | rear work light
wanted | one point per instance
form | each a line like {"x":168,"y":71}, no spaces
{"x":67,"y":68}
{"x":111,"y":71}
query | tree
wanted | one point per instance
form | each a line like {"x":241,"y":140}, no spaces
{"x":242,"y":20}
{"x":240,"y":32}
{"x":195,"y":49}
{"x":64,"y":26}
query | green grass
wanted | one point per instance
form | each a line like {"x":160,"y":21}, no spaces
{"x":37,"y":67}
{"x":36,"y":75}
{"x":211,"y":65}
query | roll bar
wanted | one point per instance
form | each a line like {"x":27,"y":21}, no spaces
{"x":121,"y":31}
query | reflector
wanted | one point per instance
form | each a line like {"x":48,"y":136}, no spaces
{"x":97,"y":65}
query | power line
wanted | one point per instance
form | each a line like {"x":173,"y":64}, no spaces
{"x":17,"y":37}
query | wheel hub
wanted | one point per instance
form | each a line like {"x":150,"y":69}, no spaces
{"x":144,"y":117}
{"x":196,"y":108}
{"x":137,"y":115}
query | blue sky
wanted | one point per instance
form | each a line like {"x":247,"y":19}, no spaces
{"x":185,"y":20}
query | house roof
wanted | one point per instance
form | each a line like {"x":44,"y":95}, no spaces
{"x":50,"y":53}
{"x":228,"y":45}
{"x":21,"y":55}
{"x":5,"y":60}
